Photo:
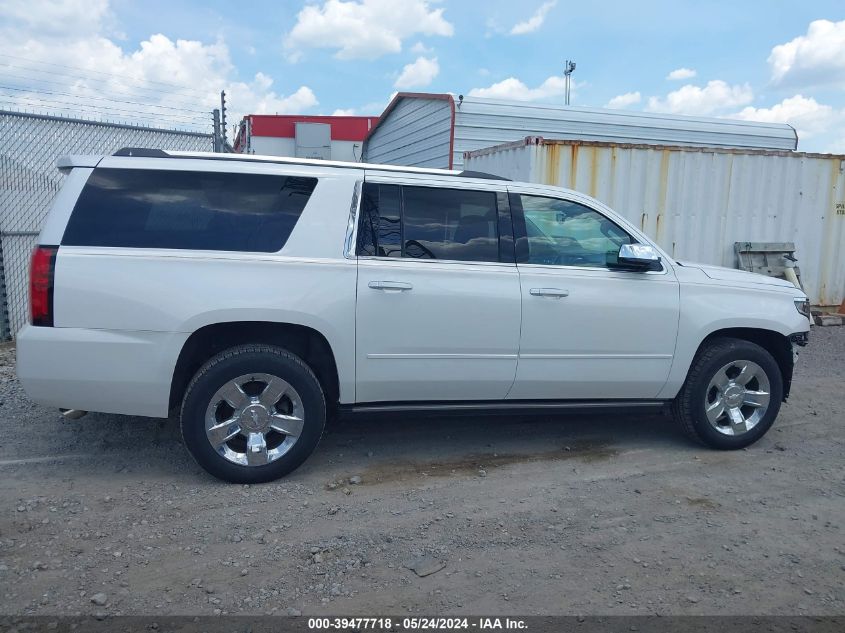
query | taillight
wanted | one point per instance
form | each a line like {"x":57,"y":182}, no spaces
{"x":42,"y":271}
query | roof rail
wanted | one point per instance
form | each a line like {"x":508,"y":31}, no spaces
{"x":142,"y":152}
{"x":480,"y":174}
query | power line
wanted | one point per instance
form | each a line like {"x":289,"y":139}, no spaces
{"x":88,"y":70}
{"x":33,"y":102}
{"x":67,"y":94}
{"x":100,"y":108}
{"x":138,"y":92}
{"x":100,"y":116}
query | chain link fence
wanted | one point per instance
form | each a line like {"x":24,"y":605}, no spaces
{"x":29,"y":180}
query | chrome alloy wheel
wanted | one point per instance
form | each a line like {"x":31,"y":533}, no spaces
{"x":254,"y":419}
{"x":737,"y":397}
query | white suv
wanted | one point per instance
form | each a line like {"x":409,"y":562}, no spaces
{"x":259,"y":295}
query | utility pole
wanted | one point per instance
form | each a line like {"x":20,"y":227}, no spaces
{"x":223,"y":140}
{"x":567,"y":73}
{"x":215,"y":137}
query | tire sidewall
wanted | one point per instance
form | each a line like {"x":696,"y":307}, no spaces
{"x":228,"y":366}
{"x":734,"y":350}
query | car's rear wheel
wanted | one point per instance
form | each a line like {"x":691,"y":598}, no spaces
{"x":252,"y":414}
{"x":731,"y":396}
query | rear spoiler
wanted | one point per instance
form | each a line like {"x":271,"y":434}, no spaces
{"x":65,"y":163}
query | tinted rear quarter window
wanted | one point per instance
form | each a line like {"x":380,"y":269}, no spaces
{"x":380,"y":231}
{"x":187,"y":210}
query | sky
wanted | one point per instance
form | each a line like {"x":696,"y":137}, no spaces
{"x":164,"y":62}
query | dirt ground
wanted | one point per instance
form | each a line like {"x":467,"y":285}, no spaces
{"x":565,"y":515}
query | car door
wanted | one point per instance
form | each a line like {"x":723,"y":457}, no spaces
{"x":588,"y":332}
{"x":438,"y":306}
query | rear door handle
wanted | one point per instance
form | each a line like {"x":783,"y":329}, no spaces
{"x":390,"y":285}
{"x":554,"y":293}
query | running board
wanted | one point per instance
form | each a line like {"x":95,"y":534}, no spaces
{"x":507,"y":407}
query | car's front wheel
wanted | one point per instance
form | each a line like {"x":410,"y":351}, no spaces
{"x":252,"y":414}
{"x":731,"y":396}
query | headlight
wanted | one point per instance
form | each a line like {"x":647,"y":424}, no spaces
{"x":803,"y":306}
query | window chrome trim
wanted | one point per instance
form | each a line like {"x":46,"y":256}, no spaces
{"x":400,"y":260}
{"x":352,"y":225}
{"x":601,"y":269}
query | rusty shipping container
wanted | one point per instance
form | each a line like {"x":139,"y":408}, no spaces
{"x":697,"y":201}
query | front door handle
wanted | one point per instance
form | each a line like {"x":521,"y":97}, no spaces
{"x":554,"y":293}
{"x":390,"y":285}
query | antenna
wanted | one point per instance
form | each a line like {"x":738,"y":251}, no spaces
{"x":567,"y":73}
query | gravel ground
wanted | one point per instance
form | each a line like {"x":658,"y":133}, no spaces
{"x":567,"y":515}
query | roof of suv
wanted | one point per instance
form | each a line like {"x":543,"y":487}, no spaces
{"x":65,"y":162}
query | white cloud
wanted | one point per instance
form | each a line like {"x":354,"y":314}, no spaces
{"x":257,"y":97}
{"x":363,"y":30}
{"x":535,"y":21}
{"x":717,"y":96}
{"x":817,"y":58}
{"x":681,"y":73}
{"x":624,"y":100}
{"x":817,"y":124}
{"x":167,"y":82}
{"x":56,"y":18}
{"x":513,"y":89}
{"x":421,"y":49}
{"x":418,"y":74}
{"x":344,"y":112}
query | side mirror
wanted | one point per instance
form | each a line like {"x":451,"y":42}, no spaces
{"x":635,"y":257}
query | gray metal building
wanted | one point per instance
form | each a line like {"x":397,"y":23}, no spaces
{"x":434,"y":130}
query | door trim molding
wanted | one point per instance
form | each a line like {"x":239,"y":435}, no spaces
{"x":444,"y":356}
{"x":596,"y":356}
{"x":505,"y":407}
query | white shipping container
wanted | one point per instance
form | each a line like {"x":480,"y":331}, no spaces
{"x":696,"y":202}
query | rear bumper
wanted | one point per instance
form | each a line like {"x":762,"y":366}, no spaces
{"x":98,"y":370}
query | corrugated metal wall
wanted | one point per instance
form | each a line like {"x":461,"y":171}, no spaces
{"x":414,"y":129}
{"x":416,"y":133}
{"x":697,"y":202}
{"x":483,"y":123}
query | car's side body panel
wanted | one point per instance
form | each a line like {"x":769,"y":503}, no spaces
{"x":588,"y":331}
{"x":131,"y":309}
{"x":612,"y":335}
{"x":708,"y":306}
{"x":112,"y":371}
{"x":452,"y":335}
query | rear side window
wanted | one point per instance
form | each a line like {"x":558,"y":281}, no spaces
{"x":187,"y":210}
{"x":429,"y":223}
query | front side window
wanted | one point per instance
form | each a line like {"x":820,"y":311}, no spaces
{"x":428,"y":223}
{"x":561,"y":232}
{"x":187,"y":210}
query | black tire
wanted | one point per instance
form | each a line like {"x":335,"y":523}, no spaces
{"x":235,"y":362}
{"x":689,"y":405}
